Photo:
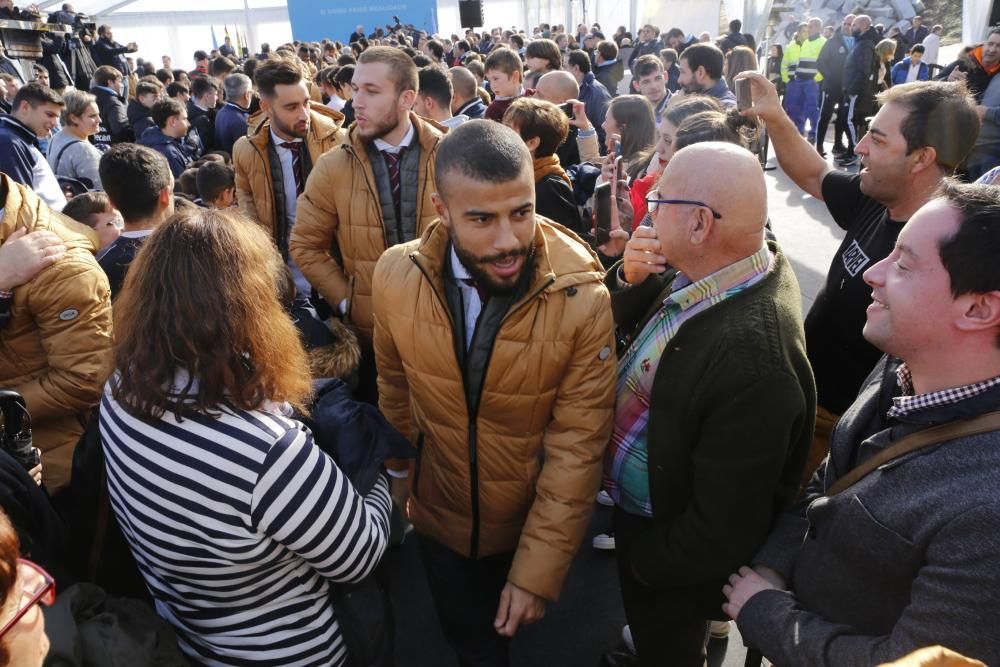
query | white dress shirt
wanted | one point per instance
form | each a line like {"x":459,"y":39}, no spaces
{"x":470,"y":296}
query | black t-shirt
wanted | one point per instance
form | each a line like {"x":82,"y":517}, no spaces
{"x":840,"y":356}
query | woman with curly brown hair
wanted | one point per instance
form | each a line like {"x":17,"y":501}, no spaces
{"x":237,"y":521}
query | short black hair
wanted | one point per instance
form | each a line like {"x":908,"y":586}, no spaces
{"x":164,"y":110}
{"x":420,"y":60}
{"x":434,"y":83}
{"x":705,"y":55}
{"x":970,"y":254}
{"x":580,"y":59}
{"x":200,"y":55}
{"x":272,"y":73}
{"x":483,"y":150}
{"x":202,"y":84}
{"x":35,"y":94}
{"x":735,"y":25}
{"x":213,"y":179}
{"x":165,"y":75}
{"x":176,"y":88}
{"x":133,"y":176}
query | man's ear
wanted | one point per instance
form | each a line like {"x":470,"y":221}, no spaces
{"x":700,"y":226}
{"x":407,"y":99}
{"x":533,"y":144}
{"x":441,"y":209}
{"x":979,"y":312}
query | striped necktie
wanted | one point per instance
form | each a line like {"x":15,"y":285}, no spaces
{"x":392,"y":161}
{"x":295,"y":147}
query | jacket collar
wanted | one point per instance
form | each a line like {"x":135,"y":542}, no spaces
{"x":19,"y":128}
{"x":428,"y":132}
{"x":324,"y":124}
{"x":475,"y":101}
{"x":23,"y":209}
{"x":562,"y":259}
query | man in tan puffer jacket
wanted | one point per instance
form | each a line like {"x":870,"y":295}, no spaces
{"x":55,"y":348}
{"x":495,"y":349}
{"x":350,"y":212}
{"x":264,"y":191}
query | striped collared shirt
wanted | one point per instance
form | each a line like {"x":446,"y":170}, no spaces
{"x":626,"y":475}
{"x":909,"y":403}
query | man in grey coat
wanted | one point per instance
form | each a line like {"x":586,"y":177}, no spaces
{"x":909,"y":555}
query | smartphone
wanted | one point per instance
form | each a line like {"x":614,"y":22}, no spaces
{"x":602,"y":213}
{"x":744,"y":98}
{"x":616,"y":145}
{"x":568,"y":110}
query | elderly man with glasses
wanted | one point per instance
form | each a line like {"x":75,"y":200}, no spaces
{"x":715,"y":401}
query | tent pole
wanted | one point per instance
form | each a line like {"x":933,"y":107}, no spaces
{"x":251,"y":29}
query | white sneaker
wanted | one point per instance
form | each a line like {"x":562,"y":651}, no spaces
{"x":604,"y":541}
{"x":719,"y":629}
{"x":627,"y":638}
{"x":603,"y":498}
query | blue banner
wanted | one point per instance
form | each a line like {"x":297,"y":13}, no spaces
{"x":313,"y":20}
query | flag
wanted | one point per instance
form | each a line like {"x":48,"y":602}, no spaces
{"x":225,"y":29}
{"x":215,"y":42}
{"x":239,"y":42}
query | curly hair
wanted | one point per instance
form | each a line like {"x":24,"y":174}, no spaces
{"x":201,"y":300}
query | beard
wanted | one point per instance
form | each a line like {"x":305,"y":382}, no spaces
{"x":290,"y":130}
{"x":381,"y":127}
{"x":477,"y":269}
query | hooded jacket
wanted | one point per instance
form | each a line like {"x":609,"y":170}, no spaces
{"x":204,"y":123}
{"x":169,"y":147}
{"x":861,"y":66}
{"x":546,"y":392}
{"x":115,"y":127}
{"x":140,"y":117}
{"x":831,"y":62}
{"x":56,"y":348}
{"x":901,"y":69}
{"x":255,"y":192}
{"x":610,"y":75}
{"x":339,"y":233}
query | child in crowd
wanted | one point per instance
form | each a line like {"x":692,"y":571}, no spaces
{"x":505,"y":72}
{"x":216,"y":185}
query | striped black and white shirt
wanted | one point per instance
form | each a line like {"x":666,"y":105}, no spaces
{"x":239,"y":524}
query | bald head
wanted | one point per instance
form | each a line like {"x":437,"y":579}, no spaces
{"x":861,"y":23}
{"x":464,"y":84}
{"x":698,"y":243}
{"x":557,"y":87}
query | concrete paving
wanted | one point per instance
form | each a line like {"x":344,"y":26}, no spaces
{"x":588,"y":618}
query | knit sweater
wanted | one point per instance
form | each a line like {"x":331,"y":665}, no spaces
{"x":731,"y":419}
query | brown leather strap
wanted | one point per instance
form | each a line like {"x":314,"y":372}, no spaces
{"x":928,"y":437}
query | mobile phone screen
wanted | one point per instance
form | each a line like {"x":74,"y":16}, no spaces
{"x":602,"y":213}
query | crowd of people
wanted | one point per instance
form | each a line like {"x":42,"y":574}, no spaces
{"x":265,"y":319}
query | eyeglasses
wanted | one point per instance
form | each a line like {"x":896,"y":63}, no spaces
{"x":653,"y":201}
{"x":37,"y":586}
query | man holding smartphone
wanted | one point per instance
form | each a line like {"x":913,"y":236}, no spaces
{"x":715,"y":400}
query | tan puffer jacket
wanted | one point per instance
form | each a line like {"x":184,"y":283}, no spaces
{"x":935,"y":656}
{"x":254,"y":186}
{"x":56,"y":348}
{"x":545,"y":414}
{"x":340,"y":207}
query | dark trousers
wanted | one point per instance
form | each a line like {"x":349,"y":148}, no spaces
{"x":466,"y":593}
{"x":661,"y":638}
{"x":827,"y":104}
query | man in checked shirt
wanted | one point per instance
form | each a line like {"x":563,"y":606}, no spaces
{"x":908,"y":555}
